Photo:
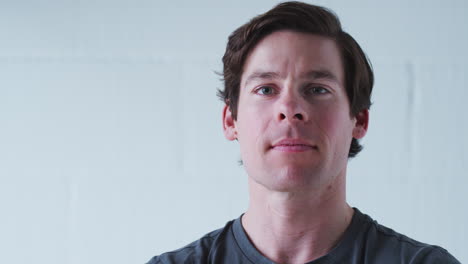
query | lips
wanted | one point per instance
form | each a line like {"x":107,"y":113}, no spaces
{"x":293,"y":145}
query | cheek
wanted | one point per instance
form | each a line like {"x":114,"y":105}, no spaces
{"x":252,"y":128}
{"x":253,"y":120}
{"x":336,"y":125}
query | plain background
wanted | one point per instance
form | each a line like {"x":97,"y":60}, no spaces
{"x":111,"y":148}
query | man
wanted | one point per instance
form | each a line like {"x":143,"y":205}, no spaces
{"x":297,"y":93}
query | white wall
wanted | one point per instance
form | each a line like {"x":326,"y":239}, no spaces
{"x":111,"y":148}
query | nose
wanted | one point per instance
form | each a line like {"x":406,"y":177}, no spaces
{"x":291,"y":109}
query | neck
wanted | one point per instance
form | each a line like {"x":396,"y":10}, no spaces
{"x":299,"y":226}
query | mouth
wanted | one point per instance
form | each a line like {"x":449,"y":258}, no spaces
{"x":293,"y":145}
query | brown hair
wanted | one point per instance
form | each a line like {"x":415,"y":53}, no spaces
{"x":306,"y":18}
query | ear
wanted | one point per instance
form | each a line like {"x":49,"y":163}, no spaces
{"x":362,"y":122}
{"x":229,"y":125}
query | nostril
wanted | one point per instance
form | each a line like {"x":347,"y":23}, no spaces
{"x":282,"y":116}
{"x":299,"y":116}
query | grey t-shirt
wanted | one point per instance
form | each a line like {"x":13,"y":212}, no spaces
{"x":364,"y":242}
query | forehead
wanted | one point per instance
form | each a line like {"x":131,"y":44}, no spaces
{"x":294,"y":54}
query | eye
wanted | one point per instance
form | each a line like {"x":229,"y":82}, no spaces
{"x":265,"y":90}
{"x":317,"y":90}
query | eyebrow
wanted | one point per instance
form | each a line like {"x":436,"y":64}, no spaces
{"x":321,"y":74}
{"x":314,"y":74}
{"x":262,"y":76}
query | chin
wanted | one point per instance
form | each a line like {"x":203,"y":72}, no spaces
{"x":292,"y":178}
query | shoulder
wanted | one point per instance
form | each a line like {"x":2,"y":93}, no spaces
{"x":385,"y":243}
{"x":195,"y":252}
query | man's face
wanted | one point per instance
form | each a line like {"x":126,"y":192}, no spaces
{"x":293,"y":122}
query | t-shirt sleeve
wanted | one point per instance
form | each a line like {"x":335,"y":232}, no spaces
{"x":439,"y":255}
{"x":188,"y":254}
{"x":155,"y":260}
